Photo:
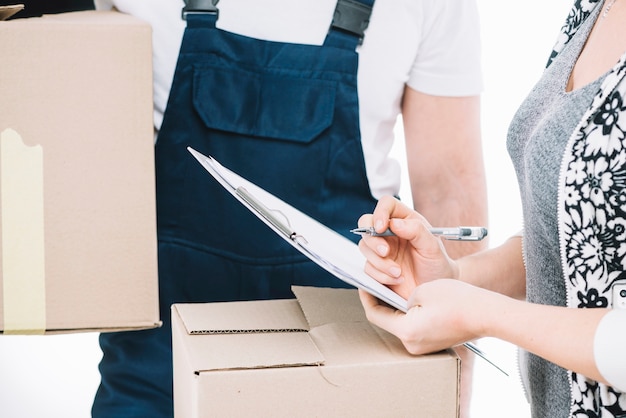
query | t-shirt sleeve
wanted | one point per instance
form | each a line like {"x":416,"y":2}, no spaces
{"x":609,"y":348}
{"x":448,"y":62}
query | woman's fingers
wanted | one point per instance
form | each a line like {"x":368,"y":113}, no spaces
{"x":384,"y":270}
{"x":387,"y":208}
{"x":381,"y":314}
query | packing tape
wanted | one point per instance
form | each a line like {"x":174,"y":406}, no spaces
{"x":23,"y":264}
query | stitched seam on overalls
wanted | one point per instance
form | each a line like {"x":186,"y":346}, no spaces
{"x":296,"y":258}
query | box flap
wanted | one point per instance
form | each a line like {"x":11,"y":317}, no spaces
{"x":243,"y":317}
{"x":245,"y":335}
{"x":254,"y":351}
{"x":341,"y":331}
{"x":8,"y":11}
{"x":323,"y":306}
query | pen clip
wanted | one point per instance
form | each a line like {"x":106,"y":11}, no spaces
{"x":461,"y":233}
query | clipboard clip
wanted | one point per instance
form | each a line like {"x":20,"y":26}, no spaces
{"x":268,"y":214}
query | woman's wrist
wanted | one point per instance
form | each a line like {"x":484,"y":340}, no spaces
{"x":489,"y":312}
{"x":461,"y":268}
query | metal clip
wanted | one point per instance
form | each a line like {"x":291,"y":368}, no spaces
{"x":199,"y":7}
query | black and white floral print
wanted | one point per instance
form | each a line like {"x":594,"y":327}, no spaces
{"x":581,"y":10}
{"x":592,"y":213}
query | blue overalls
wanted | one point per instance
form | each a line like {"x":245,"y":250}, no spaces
{"x":284,"y":116}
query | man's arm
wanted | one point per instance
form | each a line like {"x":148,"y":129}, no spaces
{"x":445,"y":162}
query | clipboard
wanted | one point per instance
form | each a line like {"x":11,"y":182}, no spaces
{"x":325,"y":247}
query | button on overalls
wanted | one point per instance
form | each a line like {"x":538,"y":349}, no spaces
{"x":284,"y":116}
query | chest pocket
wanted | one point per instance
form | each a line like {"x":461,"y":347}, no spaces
{"x":263,"y":103}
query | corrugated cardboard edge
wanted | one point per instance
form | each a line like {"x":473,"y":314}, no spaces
{"x":8,"y":11}
{"x":283,"y":315}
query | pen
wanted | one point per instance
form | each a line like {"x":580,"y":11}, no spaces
{"x":461,"y":233}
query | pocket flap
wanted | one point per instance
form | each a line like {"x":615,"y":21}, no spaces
{"x":263,"y":104}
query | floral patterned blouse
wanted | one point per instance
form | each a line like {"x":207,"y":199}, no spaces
{"x":574,"y":208}
{"x":592,"y":211}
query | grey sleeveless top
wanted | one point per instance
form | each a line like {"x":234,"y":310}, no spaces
{"x":536,"y":141}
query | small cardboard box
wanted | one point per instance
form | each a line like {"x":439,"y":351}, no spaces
{"x":78,"y":245}
{"x":316,"y":355}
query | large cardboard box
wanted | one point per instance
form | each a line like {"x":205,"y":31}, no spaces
{"x":77,"y":199}
{"x":314,"y":356}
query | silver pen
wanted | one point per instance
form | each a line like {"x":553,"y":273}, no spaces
{"x":460,"y":233}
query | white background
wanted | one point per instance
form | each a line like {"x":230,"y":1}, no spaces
{"x":57,"y":376}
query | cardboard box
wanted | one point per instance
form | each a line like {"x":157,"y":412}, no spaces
{"x":316,"y":355}
{"x":78,"y":245}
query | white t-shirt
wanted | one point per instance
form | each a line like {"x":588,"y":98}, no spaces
{"x":433,"y":46}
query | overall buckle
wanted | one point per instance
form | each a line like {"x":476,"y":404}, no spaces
{"x":199,"y":7}
{"x":351,"y":16}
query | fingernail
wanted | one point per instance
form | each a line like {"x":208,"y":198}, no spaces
{"x":395,"y":272}
{"x":382,"y":250}
{"x":378,"y":225}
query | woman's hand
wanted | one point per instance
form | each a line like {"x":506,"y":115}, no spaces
{"x":413,"y":257}
{"x":442,"y":314}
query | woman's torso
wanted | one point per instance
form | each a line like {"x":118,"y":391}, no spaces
{"x":536,"y":141}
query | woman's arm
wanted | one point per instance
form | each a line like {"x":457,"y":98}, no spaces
{"x":445,"y":313}
{"x":478,"y":299}
{"x":564,"y":336}
{"x":500,"y":269}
